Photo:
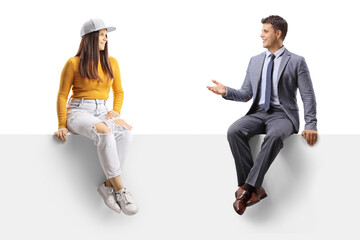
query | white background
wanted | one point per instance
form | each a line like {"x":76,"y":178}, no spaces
{"x":168,"y":51}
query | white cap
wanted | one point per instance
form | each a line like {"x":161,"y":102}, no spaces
{"x":94,"y":25}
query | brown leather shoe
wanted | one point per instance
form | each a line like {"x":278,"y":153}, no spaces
{"x":240,"y":202}
{"x":240,"y":189}
{"x":255,"y":196}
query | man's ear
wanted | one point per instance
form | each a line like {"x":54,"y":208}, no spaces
{"x":278,"y":34}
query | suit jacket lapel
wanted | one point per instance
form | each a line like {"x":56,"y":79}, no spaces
{"x":283,"y":63}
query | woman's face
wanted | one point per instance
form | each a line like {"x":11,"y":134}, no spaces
{"x":102,"y":39}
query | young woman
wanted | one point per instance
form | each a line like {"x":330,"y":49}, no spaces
{"x":90,"y":74}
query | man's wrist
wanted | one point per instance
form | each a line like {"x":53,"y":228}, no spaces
{"x":224,"y":95}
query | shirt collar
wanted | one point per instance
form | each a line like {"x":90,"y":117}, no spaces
{"x":278,"y":53}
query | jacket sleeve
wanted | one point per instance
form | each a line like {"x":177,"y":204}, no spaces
{"x":243,"y":94}
{"x":307,"y":95}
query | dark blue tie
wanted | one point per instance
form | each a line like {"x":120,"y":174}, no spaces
{"x":269,"y":82}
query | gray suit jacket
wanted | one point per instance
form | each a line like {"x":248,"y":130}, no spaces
{"x":293,"y":74}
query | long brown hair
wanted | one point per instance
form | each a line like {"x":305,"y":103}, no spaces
{"x":89,"y":58}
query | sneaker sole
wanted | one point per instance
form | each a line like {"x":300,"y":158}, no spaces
{"x":107,"y":203}
{"x":130,"y":213}
{"x":127,"y":212}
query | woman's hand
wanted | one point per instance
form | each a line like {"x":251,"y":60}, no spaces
{"x":61,"y":133}
{"x":112,"y":114}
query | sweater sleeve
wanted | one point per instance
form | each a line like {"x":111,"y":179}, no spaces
{"x":117,"y":88}
{"x":66,"y":81}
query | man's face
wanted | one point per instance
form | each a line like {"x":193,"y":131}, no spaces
{"x":269,"y":36}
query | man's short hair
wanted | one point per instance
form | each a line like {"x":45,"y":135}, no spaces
{"x":278,"y":23}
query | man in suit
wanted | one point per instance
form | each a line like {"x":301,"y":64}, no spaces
{"x":272,"y":79}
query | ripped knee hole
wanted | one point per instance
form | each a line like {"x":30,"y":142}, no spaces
{"x":121,"y":122}
{"x":101,"y":127}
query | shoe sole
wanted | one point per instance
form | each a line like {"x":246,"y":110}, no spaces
{"x":107,"y":203}
{"x":130,"y":213}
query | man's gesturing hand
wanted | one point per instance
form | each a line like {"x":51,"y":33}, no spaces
{"x":310,"y":136}
{"x":218,"y":89}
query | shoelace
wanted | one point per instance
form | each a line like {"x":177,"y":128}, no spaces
{"x":126,"y":195}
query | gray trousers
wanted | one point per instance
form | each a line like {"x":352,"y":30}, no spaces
{"x":277,"y":127}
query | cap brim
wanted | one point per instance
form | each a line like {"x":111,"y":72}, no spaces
{"x":110,"y":29}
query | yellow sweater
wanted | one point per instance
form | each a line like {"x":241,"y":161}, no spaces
{"x":85,"y":88}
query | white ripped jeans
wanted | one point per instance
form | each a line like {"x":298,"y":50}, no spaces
{"x":82,"y":115}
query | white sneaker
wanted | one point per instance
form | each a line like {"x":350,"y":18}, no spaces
{"x":107,"y":193}
{"x":126,"y":202}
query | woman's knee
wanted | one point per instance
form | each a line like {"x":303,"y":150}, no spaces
{"x":101,"y":128}
{"x":122,"y":123}
{"x":124,"y":136}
